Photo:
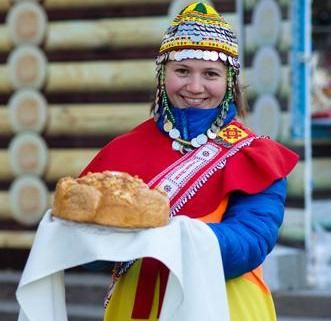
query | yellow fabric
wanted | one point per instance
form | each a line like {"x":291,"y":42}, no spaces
{"x":247,"y":302}
{"x":120,"y":305}
{"x":248,"y":296}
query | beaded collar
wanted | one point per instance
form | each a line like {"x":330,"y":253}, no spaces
{"x":193,"y":122}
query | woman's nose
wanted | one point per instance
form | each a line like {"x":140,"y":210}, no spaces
{"x":195,"y":84}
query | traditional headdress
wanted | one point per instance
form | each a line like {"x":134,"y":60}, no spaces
{"x":200,"y":32}
{"x":197,"y":32}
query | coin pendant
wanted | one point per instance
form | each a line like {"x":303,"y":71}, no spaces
{"x":211,"y":134}
{"x":174,"y":133}
{"x":202,"y":139}
{"x":176,"y":146}
{"x":167,"y":126}
{"x":195,"y":143}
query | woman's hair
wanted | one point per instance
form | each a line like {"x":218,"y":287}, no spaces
{"x":240,"y":98}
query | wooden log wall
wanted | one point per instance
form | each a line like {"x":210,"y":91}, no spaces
{"x":73,"y":75}
{"x":76,"y":73}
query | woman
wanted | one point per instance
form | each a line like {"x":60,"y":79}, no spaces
{"x":212,"y":167}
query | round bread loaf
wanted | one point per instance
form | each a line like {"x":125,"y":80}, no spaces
{"x":110,"y":198}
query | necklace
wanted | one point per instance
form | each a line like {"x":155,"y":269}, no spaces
{"x":182,"y":145}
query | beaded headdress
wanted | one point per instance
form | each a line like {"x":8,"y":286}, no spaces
{"x":197,"y":32}
{"x":200,"y":32}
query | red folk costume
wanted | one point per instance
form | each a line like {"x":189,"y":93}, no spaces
{"x":198,"y":173}
{"x":147,"y":153}
{"x":211,"y":179}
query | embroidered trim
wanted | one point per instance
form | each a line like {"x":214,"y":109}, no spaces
{"x":176,"y":179}
{"x":152,"y":182}
{"x":191,"y":191}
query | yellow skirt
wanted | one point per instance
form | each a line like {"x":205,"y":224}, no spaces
{"x":248,"y":298}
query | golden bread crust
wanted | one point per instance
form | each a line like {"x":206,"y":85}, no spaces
{"x":110,"y":198}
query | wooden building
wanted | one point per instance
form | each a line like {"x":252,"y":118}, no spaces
{"x":76,"y":73}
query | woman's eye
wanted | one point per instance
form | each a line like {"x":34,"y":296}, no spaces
{"x":212,"y":74}
{"x":181,"y":71}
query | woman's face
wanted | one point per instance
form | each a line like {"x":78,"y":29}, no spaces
{"x":195,"y":83}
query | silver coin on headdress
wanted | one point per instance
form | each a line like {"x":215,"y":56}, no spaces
{"x":172,"y":55}
{"x":213,"y":56}
{"x":198,"y":54}
{"x":178,"y":56}
{"x":223,"y":56}
{"x":190,"y":53}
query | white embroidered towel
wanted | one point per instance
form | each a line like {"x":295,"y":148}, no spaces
{"x":196,"y":286}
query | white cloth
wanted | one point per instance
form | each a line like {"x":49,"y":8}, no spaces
{"x":196,"y":286}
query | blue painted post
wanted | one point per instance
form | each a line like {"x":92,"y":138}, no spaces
{"x":301,"y":99}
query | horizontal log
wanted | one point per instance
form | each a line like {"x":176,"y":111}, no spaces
{"x":283,"y":44}
{"x":5,"y":126}
{"x":5,"y":42}
{"x":251,"y":4}
{"x":102,"y":119}
{"x":5,"y":169}
{"x":5,"y":5}
{"x":267,"y":116}
{"x":16,"y":239}
{"x":106,"y":33}
{"x":57,"y":4}
{"x":5,"y":84}
{"x":116,"y":76}
{"x":61,"y":162}
{"x":283,"y":91}
{"x":91,"y":76}
{"x":321,"y":177}
{"x":104,"y":76}
{"x":68,"y":4}
{"x":88,"y":119}
{"x":102,"y":33}
{"x":5,"y":211}
{"x":64,"y":162}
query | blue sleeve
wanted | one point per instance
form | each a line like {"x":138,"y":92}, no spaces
{"x":250,"y":227}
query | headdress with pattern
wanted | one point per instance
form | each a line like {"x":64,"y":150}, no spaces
{"x":200,"y":32}
{"x":197,"y":32}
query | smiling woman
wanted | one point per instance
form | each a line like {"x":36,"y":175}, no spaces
{"x":212,"y":167}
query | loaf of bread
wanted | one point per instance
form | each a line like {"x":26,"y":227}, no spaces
{"x":110,"y":198}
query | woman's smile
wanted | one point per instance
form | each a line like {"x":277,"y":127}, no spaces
{"x":193,"y":101}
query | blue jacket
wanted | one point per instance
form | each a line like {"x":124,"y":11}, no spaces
{"x":249,"y":229}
